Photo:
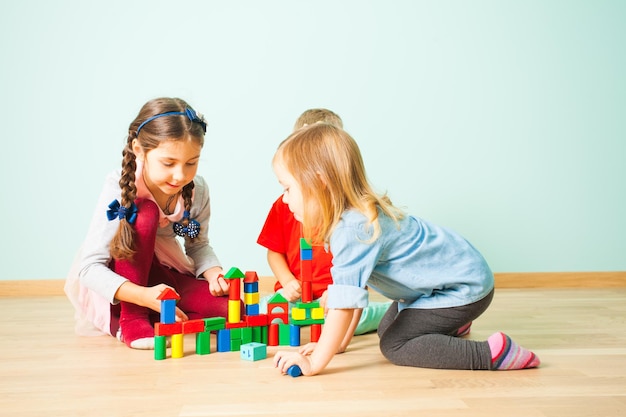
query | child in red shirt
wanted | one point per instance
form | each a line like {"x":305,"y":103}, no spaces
{"x":281,"y":236}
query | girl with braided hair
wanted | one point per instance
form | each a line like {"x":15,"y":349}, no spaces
{"x":150,"y":232}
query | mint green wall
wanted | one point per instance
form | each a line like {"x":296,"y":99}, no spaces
{"x":503,"y":120}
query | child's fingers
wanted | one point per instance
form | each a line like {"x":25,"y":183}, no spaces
{"x":180,"y":315}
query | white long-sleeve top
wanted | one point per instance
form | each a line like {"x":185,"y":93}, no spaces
{"x":91,"y":285}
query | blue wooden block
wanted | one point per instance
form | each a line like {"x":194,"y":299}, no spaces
{"x":168,"y":311}
{"x":294,"y":371}
{"x":294,"y":335}
{"x":223,"y":340}
{"x":252,"y":310}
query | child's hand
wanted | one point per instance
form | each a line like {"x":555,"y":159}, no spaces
{"x":284,"y":360}
{"x":218,"y":286}
{"x":292,"y":291}
{"x":151,"y":295}
{"x":307,"y":349}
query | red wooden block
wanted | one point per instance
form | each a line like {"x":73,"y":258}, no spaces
{"x":316,"y":331}
{"x":260,"y":320}
{"x":162,"y":329}
{"x":193,"y":326}
{"x":236,"y":325}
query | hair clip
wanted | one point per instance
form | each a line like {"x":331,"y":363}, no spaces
{"x":189,"y":112}
{"x":192,"y":229}
{"x":116,"y":210}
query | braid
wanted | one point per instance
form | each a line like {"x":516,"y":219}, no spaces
{"x":122,"y":244}
{"x":187,"y":193}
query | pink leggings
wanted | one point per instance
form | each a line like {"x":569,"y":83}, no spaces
{"x":146,"y":270}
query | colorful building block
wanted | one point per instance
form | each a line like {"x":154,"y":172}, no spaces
{"x":253,"y":351}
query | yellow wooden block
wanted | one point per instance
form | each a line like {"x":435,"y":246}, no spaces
{"x":251,"y":298}
{"x":298,"y":313}
{"x":317,"y":313}
{"x":234,"y":311}
{"x":177,"y":346}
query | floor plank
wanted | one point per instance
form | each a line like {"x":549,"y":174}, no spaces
{"x":580,"y":335}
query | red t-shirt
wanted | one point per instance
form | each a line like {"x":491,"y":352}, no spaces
{"x":281,"y":233}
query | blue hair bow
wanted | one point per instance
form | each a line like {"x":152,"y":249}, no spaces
{"x":117,"y":211}
{"x":192,"y":229}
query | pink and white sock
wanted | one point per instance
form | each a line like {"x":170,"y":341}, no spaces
{"x":464,"y":330}
{"x":508,"y":355}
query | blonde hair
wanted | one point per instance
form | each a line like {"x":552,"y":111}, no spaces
{"x":327,"y":164}
{"x":311,"y":116}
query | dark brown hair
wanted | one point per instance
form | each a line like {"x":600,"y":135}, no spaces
{"x":151,"y":135}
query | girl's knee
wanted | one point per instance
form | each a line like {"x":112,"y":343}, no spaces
{"x":147,"y":215}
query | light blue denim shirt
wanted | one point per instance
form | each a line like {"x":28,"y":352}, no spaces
{"x":416,"y":263}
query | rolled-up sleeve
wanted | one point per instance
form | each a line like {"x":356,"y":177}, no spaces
{"x":347,"y":296}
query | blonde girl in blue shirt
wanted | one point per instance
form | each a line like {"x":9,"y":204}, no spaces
{"x":438,"y":281}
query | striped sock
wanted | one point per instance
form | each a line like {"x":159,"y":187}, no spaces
{"x":464,"y":330}
{"x":507,"y":355}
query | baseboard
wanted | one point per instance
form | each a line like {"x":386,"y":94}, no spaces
{"x":51,"y":287}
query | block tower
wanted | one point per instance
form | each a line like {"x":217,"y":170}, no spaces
{"x":307,"y":312}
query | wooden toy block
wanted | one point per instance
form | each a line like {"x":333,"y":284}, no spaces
{"x":294,"y":335}
{"x":272,"y":338}
{"x":306,"y":254}
{"x":236,"y":325}
{"x":235,"y":333}
{"x":253,"y":351}
{"x":223,"y":340}
{"x":258,"y":320}
{"x":251,"y":298}
{"x":203,"y":343}
{"x":306,"y":271}
{"x":316,"y":331}
{"x":214,"y":323}
{"x":298,"y":313}
{"x":317,"y":313}
{"x":235,"y":345}
{"x":304,"y":244}
{"x":284,"y":334}
{"x":307,"y":291}
{"x":250,"y":277}
{"x":234,"y":273}
{"x":162,"y":329}
{"x":294,"y":371}
{"x":234,"y":310}
{"x":307,"y":322}
{"x":168,"y":294}
{"x":160,"y":347}
{"x":249,"y":287}
{"x":277,"y":298}
{"x":246,"y":335}
{"x":234,"y":292}
{"x":252,"y":309}
{"x":308,"y":305}
{"x":168,"y":311}
{"x":259,"y":334}
{"x":193,"y":326}
{"x":177,"y":346}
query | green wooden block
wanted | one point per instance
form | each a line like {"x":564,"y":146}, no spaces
{"x":203,"y":343}
{"x":160,"y":347}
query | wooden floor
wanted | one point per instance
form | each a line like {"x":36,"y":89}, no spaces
{"x":580,"y":335}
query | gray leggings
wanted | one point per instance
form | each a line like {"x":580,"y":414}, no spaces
{"x":424,"y":338}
